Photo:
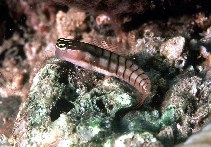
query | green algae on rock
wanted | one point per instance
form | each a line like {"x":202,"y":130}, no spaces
{"x":151,"y":121}
{"x":34,"y":122}
{"x":55,"y":113}
{"x":190,"y":105}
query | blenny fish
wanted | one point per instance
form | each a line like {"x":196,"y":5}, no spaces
{"x":106,"y":62}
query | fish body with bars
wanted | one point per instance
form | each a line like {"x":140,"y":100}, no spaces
{"x":103,"y":61}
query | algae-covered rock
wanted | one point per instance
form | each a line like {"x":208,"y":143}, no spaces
{"x":188,"y":95}
{"x":59,"y":110}
{"x":35,"y":123}
{"x":151,"y":121}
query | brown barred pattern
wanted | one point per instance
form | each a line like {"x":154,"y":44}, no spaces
{"x":103,"y":61}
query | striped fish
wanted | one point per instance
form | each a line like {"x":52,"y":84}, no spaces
{"x":103,"y":61}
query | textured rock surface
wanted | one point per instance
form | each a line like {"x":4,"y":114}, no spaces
{"x":56,"y":112}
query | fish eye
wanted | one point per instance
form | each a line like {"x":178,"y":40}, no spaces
{"x":64,"y":44}
{"x":61,"y":44}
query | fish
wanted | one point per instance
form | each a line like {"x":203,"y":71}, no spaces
{"x":103,"y":61}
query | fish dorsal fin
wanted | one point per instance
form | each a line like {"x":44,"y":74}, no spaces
{"x":112,"y":45}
